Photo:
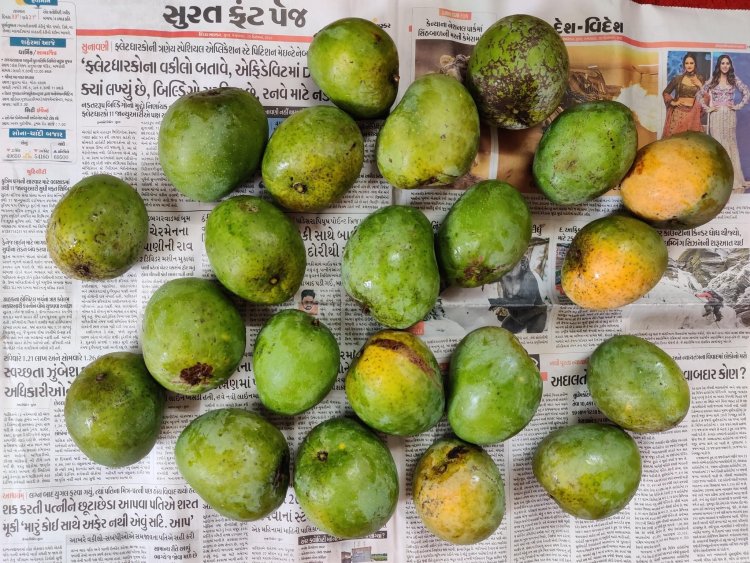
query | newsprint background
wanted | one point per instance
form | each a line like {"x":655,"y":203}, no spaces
{"x":84,"y":87}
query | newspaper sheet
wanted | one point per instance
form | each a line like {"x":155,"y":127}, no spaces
{"x":84,"y":87}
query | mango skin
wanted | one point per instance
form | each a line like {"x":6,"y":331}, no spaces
{"x":212,"y":140}
{"x":590,"y":470}
{"x":458,"y":492}
{"x":389,"y":266}
{"x":255,"y":250}
{"x":295,"y":362}
{"x":613,"y":261}
{"x":345,"y":479}
{"x":585,"y":152}
{"x":518,"y":72}
{"x":114,"y":409}
{"x":484,"y":235}
{"x":637,"y":385}
{"x":237,"y":462}
{"x":313,"y":158}
{"x":98,"y":229}
{"x":679,"y":182}
{"x":431,"y":137}
{"x":355,"y":64}
{"x":193,"y":337}
{"x":494,"y":387}
{"x":395,"y":385}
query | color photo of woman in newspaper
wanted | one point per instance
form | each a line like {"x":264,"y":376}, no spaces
{"x":683,"y":112}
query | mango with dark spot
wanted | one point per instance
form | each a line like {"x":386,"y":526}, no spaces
{"x":193,"y":337}
{"x":114,"y":409}
{"x":613,"y":261}
{"x":98,"y":229}
{"x":394,"y":385}
{"x":237,"y":462}
{"x":494,"y":387}
{"x":458,"y":492}
{"x":484,"y":235}
{"x":389,"y":266}
{"x":586,"y":151}
{"x":679,"y":182}
{"x":313,"y":158}
{"x":431,"y":137}
{"x":345,"y":479}
{"x":590,"y":470}
{"x":518,"y":72}
{"x":255,"y":250}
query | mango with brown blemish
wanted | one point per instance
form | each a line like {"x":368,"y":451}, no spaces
{"x":679,"y":182}
{"x":613,"y":261}
{"x":395,"y":385}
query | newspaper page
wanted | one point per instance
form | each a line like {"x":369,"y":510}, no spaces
{"x":84,"y":88}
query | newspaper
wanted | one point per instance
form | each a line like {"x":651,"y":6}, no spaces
{"x":84,"y":87}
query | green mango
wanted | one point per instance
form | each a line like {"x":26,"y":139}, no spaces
{"x":212,"y":140}
{"x":98,"y":229}
{"x":313,"y":158}
{"x":193,"y":337}
{"x":585,"y":152}
{"x":637,"y":385}
{"x":114,"y":409}
{"x":590,"y":470}
{"x":295,"y":362}
{"x":394,"y":385}
{"x":345,"y":479}
{"x":389,"y":266}
{"x":484,"y":235}
{"x":458,"y":492}
{"x":255,"y":250}
{"x":494,"y":386}
{"x":431,"y":137}
{"x":237,"y":462}
{"x":355,"y":64}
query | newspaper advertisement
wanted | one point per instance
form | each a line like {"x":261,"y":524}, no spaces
{"x":85,"y":86}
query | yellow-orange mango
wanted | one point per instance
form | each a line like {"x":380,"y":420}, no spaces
{"x":679,"y":182}
{"x":613,"y":261}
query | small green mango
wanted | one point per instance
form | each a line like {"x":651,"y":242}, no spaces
{"x":484,"y":235}
{"x":355,"y":64}
{"x":494,"y":386}
{"x":98,"y":229}
{"x":237,"y":462}
{"x":313,"y":158}
{"x":295,"y":362}
{"x":389,"y":266}
{"x":431,"y":137}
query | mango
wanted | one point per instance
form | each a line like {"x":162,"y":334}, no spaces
{"x":637,"y":385}
{"x":679,"y":182}
{"x":389,"y":266}
{"x":237,"y":462}
{"x":255,"y":250}
{"x":518,"y":72}
{"x":494,"y":387}
{"x":295,"y":362}
{"x":484,"y":235}
{"x":590,"y":470}
{"x":431,"y":137}
{"x":114,"y":409}
{"x":345,"y":479}
{"x":212,"y":140}
{"x":458,"y":492}
{"x":98,"y":229}
{"x":585,"y":152}
{"x":355,"y":64}
{"x":612,"y":261}
{"x":193,"y":337}
{"x":394,"y":385}
{"x":312,"y":159}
